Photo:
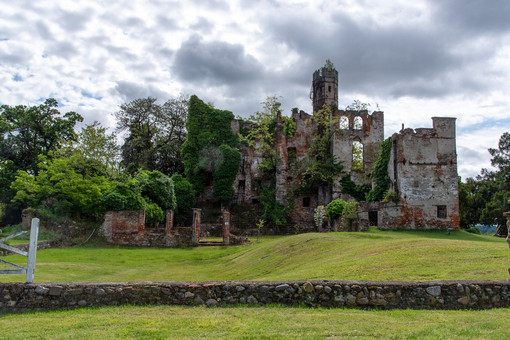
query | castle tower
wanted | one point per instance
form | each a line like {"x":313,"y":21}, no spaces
{"x":325,"y":87}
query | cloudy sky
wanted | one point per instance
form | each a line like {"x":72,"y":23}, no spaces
{"x":414,"y":59}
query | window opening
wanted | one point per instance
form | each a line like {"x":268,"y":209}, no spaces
{"x":441,"y":211}
{"x":373,"y":218}
{"x":306,"y":202}
{"x":344,"y":123}
{"x":358,"y":123}
{"x":291,"y":156}
{"x":357,"y":156}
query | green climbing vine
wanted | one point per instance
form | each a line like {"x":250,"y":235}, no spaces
{"x":380,"y":174}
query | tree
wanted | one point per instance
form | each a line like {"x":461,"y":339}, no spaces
{"x":498,"y":182}
{"x":184,"y":197}
{"x":485,"y":198}
{"x":155,"y":134}
{"x":357,"y":105}
{"x":97,"y":145}
{"x":157,"y":187}
{"x":169,"y":142}
{"x":140,"y":118}
{"x":25,"y":133}
{"x":380,"y":176}
{"x":67,"y":186}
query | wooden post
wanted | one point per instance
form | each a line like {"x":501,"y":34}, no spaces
{"x":32,"y":250}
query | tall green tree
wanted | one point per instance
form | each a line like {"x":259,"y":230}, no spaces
{"x":155,"y":134}
{"x":25,"y":133}
{"x":485,"y":198}
{"x":67,"y":186}
{"x":96,"y":144}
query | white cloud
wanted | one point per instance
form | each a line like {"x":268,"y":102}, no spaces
{"x":415,"y":59}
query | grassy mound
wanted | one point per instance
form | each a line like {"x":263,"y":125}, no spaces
{"x":375,"y":255}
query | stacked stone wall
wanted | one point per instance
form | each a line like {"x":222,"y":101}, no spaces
{"x":448,"y":295}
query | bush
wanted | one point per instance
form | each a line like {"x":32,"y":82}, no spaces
{"x":184,"y":197}
{"x":157,"y":187}
{"x":335,"y":208}
{"x":153,"y":212}
{"x":473,"y":230}
{"x":123,"y":196}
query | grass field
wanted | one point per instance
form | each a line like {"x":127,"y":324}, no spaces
{"x":170,"y":322}
{"x":375,"y":255}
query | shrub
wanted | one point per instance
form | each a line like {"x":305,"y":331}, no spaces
{"x":350,"y":210}
{"x":123,"y":196}
{"x":153,"y":212}
{"x":184,"y":197}
{"x":335,"y":208}
{"x":157,"y":187}
{"x":390,"y":195}
{"x":473,"y":230}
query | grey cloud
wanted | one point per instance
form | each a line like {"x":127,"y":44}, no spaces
{"x":212,"y":4}
{"x":43,"y":30}
{"x":214,"y":63}
{"x":74,"y":21}
{"x":202,"y":25}
{"x":166,"y":22}
{"x":62,"y":49}
{"x":474,"y":16}
{"x":381,"y":60}
{"x":129,"y":91}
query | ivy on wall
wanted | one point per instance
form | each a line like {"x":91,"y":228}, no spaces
{"x":380,"y":176}
{"x":211,"y":149}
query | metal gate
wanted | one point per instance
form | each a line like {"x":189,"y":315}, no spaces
{"x":32,"y":250}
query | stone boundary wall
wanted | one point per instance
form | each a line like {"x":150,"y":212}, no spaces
{"x":448,"y":295}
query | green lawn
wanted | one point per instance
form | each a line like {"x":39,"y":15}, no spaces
{"x":375,"y":255}
{"x":171,"y":322}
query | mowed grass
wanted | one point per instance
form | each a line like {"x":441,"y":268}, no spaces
{"x":374,"y":255}
{"x":274,"y":322}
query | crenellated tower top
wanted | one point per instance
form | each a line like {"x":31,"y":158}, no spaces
{"x":325,"y":87}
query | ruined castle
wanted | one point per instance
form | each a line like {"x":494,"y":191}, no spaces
{"x":422,"y":166}
{"x":422,"y":170}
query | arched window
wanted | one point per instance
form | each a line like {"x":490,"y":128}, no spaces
{"x":358,"y":123}
{"x":344,"y":123}
{"x":357,"y":156}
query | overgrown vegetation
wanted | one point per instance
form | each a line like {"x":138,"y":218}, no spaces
{"x":380,"y":176}
{"x":320,"y":167}
{"x":211,"y":149}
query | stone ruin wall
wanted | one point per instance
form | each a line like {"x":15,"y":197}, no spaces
{"x":128,"y":228}
{"x":423,"y":168}
{"x":446,"y":295}
{"x":370,"y":135}
{"x":423,"y":172}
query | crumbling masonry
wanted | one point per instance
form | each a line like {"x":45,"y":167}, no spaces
{"x":422,"y":168}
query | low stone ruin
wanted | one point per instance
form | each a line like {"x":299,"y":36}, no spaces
{"x":128,"y":227}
